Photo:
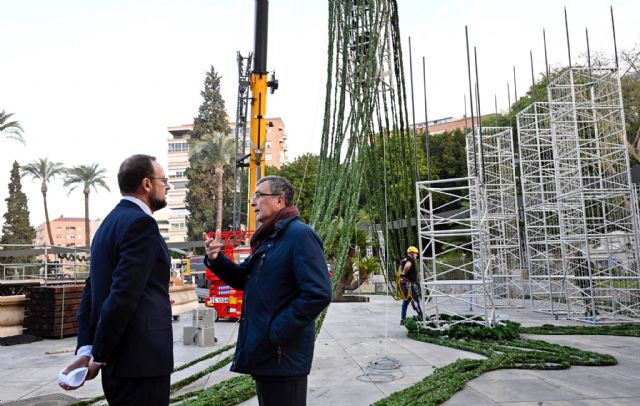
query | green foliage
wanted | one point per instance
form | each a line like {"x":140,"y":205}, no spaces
{"x":212,"y":114}
{"x":302,"y":174}
{"x":10,"y":128}
{"x":632,"y":330}
{"x":44,"y":171}
{"x":226,"y":393}
{"x":238,"y":389}
{"x":211,"y":154}
{"x":16,"y":228}
{"x":503,"y":349}
{"x":192,"y":378}
{"x":204,"y":357}
{"x":86,"y":176}
{"x":201,"y":196}
{"x":508,"y":330}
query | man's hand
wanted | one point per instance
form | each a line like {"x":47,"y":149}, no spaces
{"x":81,"y":362}
{"x":212,"y":246}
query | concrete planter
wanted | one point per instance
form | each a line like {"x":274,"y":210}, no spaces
{"x":183,"y":298}
{"x":11,"y":315}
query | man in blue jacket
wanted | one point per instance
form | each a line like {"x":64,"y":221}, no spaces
{"x":124,"y":319}
{"x":286,"y":285}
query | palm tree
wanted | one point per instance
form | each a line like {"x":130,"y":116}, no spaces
{"x":88,"y":176}
{"x":44,"y":170}
{"x":215,"y":150}
{"x":10,"y":129}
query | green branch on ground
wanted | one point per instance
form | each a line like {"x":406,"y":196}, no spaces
{"x":194,"y":377}
{"x":204,"y":357}
{"x":632,"y":330}
{"x":226,"y":393}
{"x":503,"y":348}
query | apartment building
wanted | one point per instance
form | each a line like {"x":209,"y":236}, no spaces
{"x":172,"y":221}
{"x":67,"y":232}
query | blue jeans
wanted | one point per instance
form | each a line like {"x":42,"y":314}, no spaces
{"x":414,"y":296}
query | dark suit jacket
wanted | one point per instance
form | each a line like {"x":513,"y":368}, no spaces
{"x":125,"y":311}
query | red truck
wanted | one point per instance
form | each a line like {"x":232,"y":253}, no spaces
{"x":227,"y":301}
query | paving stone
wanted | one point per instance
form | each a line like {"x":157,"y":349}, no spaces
{"x":522,"y":391}
{"x":469,"y":397}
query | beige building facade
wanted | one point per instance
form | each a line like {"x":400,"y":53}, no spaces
{"x":172,"y":220}
{"x":67,"y":232}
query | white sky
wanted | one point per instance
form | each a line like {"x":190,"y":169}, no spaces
{"x":98,"y":81}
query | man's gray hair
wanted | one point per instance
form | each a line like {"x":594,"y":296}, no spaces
{"x":280,"y":186}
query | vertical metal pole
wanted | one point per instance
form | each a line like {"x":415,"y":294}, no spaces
{"x":473,"y":127}
{"x":546,"y":61}
{"x":413,"y":113}
{"x":464,"y":96}
{"x":509,"y":104}
{"x":586,"y":33}
{"x":566,"y":28}
{"x":495,"y":102}
{"x":515,"y":90}
{"x":475,"y":56}
{"x":533,"y":79}
{"x":426,"y":121}
{"x":615,"y":44}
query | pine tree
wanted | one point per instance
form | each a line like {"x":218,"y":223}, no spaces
{"x":200,"y":200}
{"x":16,"y":228}
{"x":212,"y":115}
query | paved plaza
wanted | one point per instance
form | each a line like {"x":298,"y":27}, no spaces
{"x":354,"y":336}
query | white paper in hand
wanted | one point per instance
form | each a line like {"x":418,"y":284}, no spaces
{"x":73,"y":378}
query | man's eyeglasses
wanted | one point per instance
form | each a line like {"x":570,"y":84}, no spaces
{"x":258,"y":195}
{"x":163,"y":180}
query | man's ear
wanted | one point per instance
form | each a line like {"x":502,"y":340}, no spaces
{"x":145,"y":185}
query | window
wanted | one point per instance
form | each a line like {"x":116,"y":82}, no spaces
{"x":178,"y":185}
{"x":178,"y":146}
{"x":70,"y":228}
{"x":179,"y":225}
{"x":267,"y":157}
{"x":267,"y":144}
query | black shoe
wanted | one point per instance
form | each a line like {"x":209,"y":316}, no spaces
{"x":402,"y":322}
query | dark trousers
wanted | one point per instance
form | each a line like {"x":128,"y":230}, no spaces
{"x":410,"y":291}
{"x":149,"y":391}
{"x":281,"y":390}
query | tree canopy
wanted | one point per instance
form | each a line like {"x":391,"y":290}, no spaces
{"x":16,"y":228}
{"x":201,"y":198}
{"x":10,"y":128}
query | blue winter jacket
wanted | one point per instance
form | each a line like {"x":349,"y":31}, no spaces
{"x":286,"y":285}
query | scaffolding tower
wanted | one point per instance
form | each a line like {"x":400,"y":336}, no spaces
{"x":596,"y":202}
{"x":580,"y":207}
{"x":546,"y":278}
{"x":496,"y":158}
{"x":454,"y":255}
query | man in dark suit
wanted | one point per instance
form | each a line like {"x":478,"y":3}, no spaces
{"x":124,"y":319}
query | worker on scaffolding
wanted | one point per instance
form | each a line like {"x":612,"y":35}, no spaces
{"x":408,"y":281}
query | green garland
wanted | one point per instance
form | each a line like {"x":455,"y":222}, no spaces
{"x":204,"y":357}
{"x":186,"y":381}
{"x":192,"y":378}
{"x":632,"y":330}
{"x":503,"y":349}
{"x":226,"y":393}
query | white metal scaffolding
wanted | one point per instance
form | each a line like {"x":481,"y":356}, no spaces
{"x":454,"y":257}
{"x":501,"y":211}
{"x":580,"y":208}
{"x":540,"y":211}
